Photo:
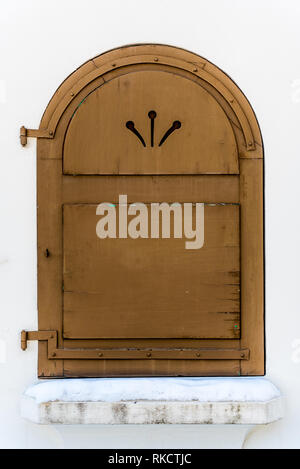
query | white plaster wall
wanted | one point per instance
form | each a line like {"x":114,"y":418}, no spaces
{"x":257,"y":43}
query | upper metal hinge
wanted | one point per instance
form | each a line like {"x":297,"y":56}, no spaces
{"x":35,"y":133}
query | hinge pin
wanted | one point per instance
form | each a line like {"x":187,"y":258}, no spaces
{"x":23,"y":136}
{"x":24,"y":340}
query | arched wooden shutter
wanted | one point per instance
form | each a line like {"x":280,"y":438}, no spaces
{"x":158,"y":124}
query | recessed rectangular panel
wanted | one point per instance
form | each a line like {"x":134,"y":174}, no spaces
{"x":151,"y":288}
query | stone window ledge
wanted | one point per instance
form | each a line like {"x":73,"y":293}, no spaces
{"x":140,"y":401}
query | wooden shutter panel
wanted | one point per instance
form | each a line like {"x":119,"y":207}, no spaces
{"x":124,"y":307}
{"x":151,"y":288}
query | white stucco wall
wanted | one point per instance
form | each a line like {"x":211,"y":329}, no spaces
{"x":257,"y":43}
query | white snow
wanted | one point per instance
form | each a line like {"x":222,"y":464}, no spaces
{"x":157,"y":389}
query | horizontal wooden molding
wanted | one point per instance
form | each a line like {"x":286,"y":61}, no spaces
{"x":56,"y":353}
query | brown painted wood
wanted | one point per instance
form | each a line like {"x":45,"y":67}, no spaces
{"x":252,"y":265}
{"x":98,"y":141}
{"x":49,"y":183}
{"x":188,"y":188}
{"x":201,"y":167}
{"x":156,"y":54}
{"x":118,"y":288}
{"x":94,"y":368}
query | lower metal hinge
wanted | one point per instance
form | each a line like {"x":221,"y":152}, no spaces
{"x":38,"y":335}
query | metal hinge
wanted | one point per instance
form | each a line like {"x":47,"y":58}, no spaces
{"x":169,"y":353}
{"x":50,"y":336}
{"x":35,"y":133}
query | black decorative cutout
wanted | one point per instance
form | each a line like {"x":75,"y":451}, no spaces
{"x":152,"y":115}
{"x":176,"y":125}
{"x":130,"y":126}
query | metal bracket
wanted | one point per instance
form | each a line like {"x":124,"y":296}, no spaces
{"x":55,"y":353}
{"x":50,"y":336}
{"x":35,"y":133}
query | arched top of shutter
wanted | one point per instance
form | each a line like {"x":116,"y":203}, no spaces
{"x":150,"y":121}
{"x":151,"y":109}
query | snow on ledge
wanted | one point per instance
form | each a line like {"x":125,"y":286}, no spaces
{"x":151,"y":401}
{"x":246,"y":389}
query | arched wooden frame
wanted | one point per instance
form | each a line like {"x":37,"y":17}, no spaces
{"x":223,"y":357}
